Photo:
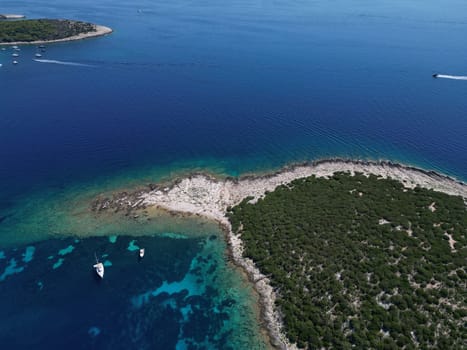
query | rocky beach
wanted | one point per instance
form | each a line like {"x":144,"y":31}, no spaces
{"x":209,"y":197}
{"x":192,"y":129}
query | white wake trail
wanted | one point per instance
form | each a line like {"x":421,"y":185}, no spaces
{"x":64,"y":63}
{"x":455,"y":77}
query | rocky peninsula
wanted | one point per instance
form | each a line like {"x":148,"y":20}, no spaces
{"x":45,"y":31}
{"x":210,"y":197}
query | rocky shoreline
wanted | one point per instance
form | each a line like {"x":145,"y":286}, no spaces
{"x":209,"y":197}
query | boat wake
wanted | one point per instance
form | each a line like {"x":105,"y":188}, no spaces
{"x":64,"y":63}
{"x":455,"y":77}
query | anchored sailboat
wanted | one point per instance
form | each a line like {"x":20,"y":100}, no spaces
{"x":99,"y":267}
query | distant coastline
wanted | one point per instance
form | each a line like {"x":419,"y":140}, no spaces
{"x":97,"y":30}
{"x":206,"y":196}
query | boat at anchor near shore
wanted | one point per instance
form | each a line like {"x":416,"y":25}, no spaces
{"x":99,"y":268}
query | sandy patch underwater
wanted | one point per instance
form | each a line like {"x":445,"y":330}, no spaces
{"x":182,"y":294}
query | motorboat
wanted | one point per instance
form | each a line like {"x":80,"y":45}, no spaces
{"x":141,"y":253}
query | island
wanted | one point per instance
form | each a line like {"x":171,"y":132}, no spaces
{"x":42,"y":31}
{"x":360,"y":261}
{"x":342,"y":253}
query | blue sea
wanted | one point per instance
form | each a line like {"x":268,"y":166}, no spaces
{"x":226,"y":87}
{"x":181,"y":295}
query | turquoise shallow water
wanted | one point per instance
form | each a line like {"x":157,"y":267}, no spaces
{"x":227,"y":88}
{"x":181,"y":295}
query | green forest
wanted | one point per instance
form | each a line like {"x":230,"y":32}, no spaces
{"x":361,"y":262}
{"x":41,"y":29}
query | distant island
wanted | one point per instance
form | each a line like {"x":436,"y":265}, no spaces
{"x":342,"y":253}
{"x":41,"y":31}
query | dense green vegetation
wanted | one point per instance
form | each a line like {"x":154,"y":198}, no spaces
{"x":41,"y":29}
{"x":361,"y":262}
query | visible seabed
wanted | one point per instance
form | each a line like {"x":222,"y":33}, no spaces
{"x":182,"y":295}
{"x":206,"y":196}
{"x":181,"y":207}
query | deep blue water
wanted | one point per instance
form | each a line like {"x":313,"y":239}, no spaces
{"x":179,"y":296}
{"x":252,"y":84}
{"x":231,"y":86}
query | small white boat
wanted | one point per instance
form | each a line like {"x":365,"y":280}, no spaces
{"x":15,"y":55}
{"x":15,"y":47}
{"x":38,"y":55}
{"x":15,"y":62}
{"x":99,"y":267}
{"x":141,"y":253}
